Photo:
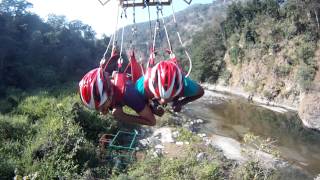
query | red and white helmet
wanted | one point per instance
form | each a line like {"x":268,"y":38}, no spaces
{"x":165,"y":80}
{"x":95,"y":88}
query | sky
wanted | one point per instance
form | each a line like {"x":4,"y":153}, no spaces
{"x":101,"y":18}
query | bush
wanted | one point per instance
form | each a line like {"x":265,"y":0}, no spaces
{"x":13,"y":127}
{"x":185,"y":167}
{"x":305,"y":76}
{"x":37,"y":106}
{"x":235,"y":55}
{"x":305,"y":52}
{"x":282,"y":71}
{"x":61,"y":143}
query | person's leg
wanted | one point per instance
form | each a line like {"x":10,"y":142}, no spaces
{"x":145,"y":117}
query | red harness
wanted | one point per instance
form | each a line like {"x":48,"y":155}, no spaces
{"x":120,"y":78}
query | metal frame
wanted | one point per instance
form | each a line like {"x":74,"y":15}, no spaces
{"x":131,"y":3}
{"x":120,"y":146}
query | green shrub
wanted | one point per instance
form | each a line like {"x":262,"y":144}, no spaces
{"x":282,"y":71}
{"x":305,"y":76}
{"x":305,"y":52}
{"x":252,"y":170}
{"x":186,"y":135}
{"x":37,"y":106}
{"x":235,"y":55}
{"x":184,"y":167}
{"x":13,"y":127}
{"x":226,"y":75}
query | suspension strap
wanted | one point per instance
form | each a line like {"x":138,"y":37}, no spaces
{"x":182,"y":44}
{"x":159,"y":8}
{"x":120,"y":60}
{"x":113,"y":38}
{"x":146,"y":3}
{"x":115,"y":31}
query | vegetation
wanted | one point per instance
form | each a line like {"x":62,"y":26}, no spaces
{"x":56,"y":138}
{"x":34,"y":53}
{"x":46,"y":133}
{"x":261,"y":31}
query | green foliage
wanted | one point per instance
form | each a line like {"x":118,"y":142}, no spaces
{"x":36,"y":106}
{"x":226,"y":75}
{"x":207,"y":54}
{"x":305,"y":76}
{"x":305,"y":52}
{"x":47,"y":53}
{"x":252,"y":170}
{"x":53,"y":137}
{"x":186,"y":135}
{"x":185,"y":167}
{"x":282,"y":71}
{"x":266,"y":145}
{"x":235,"y":55}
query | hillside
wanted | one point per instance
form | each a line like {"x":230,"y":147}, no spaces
{"x":275,"y":54}
{"x":189,"y":22}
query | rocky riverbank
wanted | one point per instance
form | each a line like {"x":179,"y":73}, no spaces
{"x":181,"y":132}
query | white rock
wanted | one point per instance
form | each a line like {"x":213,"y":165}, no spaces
{"x":230,"y":147}
{"x":202,"y":135}
{"x":200,"y":156}
{"x":175,"y":134}
{"x":199,"y":121}
{"x":144,"y":142}
{"x":164,"y":134}
{"x":179,"y":143}
{"x":153,"y":141}
{"x":159,"y":146}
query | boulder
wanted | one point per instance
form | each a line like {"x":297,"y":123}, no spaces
{"x":309,"y":110}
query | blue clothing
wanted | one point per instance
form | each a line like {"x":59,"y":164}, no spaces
{"x":190,"y":87}
{"x":132,"y":98}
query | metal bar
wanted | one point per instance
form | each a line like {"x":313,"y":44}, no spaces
{"x":131,"y":3}
{"x":133,"y":140}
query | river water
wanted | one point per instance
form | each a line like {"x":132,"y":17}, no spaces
{"x":233,"y":117}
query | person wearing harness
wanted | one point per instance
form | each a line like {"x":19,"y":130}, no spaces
{"x":100,"y":92}
{"x":165,"y":83}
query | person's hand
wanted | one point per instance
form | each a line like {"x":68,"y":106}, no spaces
{"x":159,"y":111}
{"x":176,"y":106}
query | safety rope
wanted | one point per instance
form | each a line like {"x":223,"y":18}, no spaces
{"x":116,"y":28}
{"x":120,"y":60}
{"x":182,"y":44}
{"x":146,"y":3}
{"x":159,"y":8}
{"x":105,"y":53}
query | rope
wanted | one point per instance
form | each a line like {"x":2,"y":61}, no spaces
{"x":150,"y":25}
{"x":164,"y":25}
{"x":105,"y":53}
{"x":179,"y":37}
{"x":120,"y":60}
{"x":134,"y":28}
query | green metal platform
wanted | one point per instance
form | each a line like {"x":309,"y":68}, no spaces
{"x":120,"y":147}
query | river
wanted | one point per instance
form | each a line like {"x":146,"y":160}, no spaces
{"x":233,"y":116}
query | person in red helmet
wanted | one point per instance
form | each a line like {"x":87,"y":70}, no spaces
{"x":100,"y":92}
{"x":165,"y":83}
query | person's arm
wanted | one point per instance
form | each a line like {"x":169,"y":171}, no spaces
{"x":145,"y":117}
{"x":177,"y":104}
